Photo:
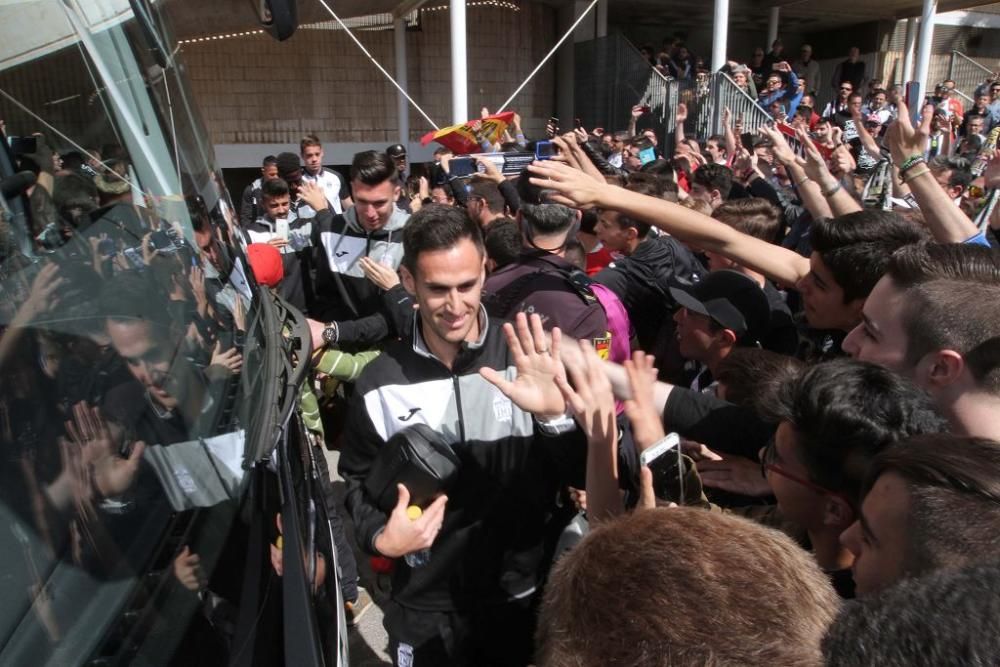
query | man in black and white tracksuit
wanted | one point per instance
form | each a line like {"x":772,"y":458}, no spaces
{"x":349,"y":304}
{"x":291,"y":235}
{"x":469,"y":599}
{"x":251,"y":206}
{"x":333,"y":186}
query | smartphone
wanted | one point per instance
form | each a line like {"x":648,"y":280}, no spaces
{"x":545,"y":150}
{"x":552,"y":127}
{"x":462,"y":167}
{"x":746,"y":139}
{"x":577,"y":123}
{"x":664,"y":460}
{"x":647,"y":155}
{"x":281,"y":228}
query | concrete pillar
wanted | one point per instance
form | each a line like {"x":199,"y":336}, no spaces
{"x":565,"y":68}
{"x":924,"y":52}
{"x":602,"y":18}
{"x":459,"y":62}
{"x":772,"y":26}
{"x":908,"y":49}
{"x":402,"y":106}
{"x":720,"y":34}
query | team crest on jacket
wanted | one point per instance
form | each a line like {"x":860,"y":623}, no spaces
{"x":503,"y":410}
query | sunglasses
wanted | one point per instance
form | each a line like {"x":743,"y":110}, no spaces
{"x":768,"y":464}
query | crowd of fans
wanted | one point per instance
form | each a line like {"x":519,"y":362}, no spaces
{"x":813,"y":309}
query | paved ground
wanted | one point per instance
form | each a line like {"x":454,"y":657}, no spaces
{"x":368,"y":640}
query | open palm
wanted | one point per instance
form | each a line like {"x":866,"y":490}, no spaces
{"x":534,"y":389}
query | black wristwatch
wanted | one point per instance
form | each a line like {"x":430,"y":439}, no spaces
{"x":331,"y":333}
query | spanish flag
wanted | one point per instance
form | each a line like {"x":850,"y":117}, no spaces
{"x":469,"y":136}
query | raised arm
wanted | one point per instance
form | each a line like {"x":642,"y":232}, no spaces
{"x":946,"y":221}
{"x":573,"y":188}
{"x":808,"y":189}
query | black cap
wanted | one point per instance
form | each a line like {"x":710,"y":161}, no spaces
{"x":732,"y":299}
{"x":396,"y":150}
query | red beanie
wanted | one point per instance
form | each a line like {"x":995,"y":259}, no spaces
{"x":265,"y":261}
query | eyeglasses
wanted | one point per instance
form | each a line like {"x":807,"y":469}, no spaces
{"x":768,"y":458}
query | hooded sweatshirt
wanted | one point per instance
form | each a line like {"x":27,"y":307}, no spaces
{"x":343,"y":293}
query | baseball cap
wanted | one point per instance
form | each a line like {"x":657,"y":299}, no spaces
{"x":732,"y":299}
{"x":396,"y":150}
{"x":265,"y":262}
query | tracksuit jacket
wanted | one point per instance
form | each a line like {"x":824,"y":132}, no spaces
{"x":491,"y":546}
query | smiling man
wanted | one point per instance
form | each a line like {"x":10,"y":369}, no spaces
{"x":495,"y":403}
{"x":349,"y":304}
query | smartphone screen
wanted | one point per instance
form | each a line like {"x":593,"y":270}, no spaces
{"x":665,"y":462}
{"x":544,"y":150}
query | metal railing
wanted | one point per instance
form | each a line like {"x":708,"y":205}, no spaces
{"x":611,"y":77}
{"x":967,"y":74}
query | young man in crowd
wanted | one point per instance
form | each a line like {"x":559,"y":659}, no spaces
{"x":929,"y":503}
{"x":282,"y":228}
{"x":935,"y":318}
{"x":725,"y":310}
{"x":349,"y":309}
{"x":493,"y":399}
{"x":338,"y":196}
{"x":250,"y":202}
{"x":849,"y":253}
{"x":485,"y":202}
{"x":648,"y":268}
{"x":539,"y":281}
{"x":832,"y":422}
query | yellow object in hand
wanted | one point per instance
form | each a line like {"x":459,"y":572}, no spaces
{"x":414,"y":512}
{"x":279,"y":542}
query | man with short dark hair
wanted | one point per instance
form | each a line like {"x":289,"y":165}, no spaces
{"x":540,"y":280}
{"x":832,"y":422}
{"x":929,"y":503}
{"x":250,"y":201}
{"x":711,"y":184}
{"x":952,"y":174}
{"x":491,"y":396}
{"x":485,"y":202}
{"x":280,"y":226}
{"x":650,"y":266}
{"x":350,"y":305}
{"x":947,"y":619}
{"x":935,"y":318}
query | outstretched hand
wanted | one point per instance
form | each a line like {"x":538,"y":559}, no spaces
{"x":590,"y":399}
{"x":534,"y":389}
{"x":567,"y":185}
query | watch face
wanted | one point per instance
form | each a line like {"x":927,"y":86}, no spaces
{"x":329,"y":335}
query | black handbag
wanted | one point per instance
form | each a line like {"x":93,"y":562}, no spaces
{"x":418,"y":458}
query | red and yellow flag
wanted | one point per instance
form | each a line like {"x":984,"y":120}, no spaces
{"x":468,"y":137}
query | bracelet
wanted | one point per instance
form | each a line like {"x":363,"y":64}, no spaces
{"x":832,"y":191}
{"x":914,"y":173}
{"x":911,"y":162}
{"x":799,"y":183}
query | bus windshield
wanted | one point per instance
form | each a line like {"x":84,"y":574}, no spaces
{"x":131,"y":351}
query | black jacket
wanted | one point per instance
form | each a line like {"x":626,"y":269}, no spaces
{"x":642,"y":281}
{"x":343,"y":293}
{"x":491,"y":545}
